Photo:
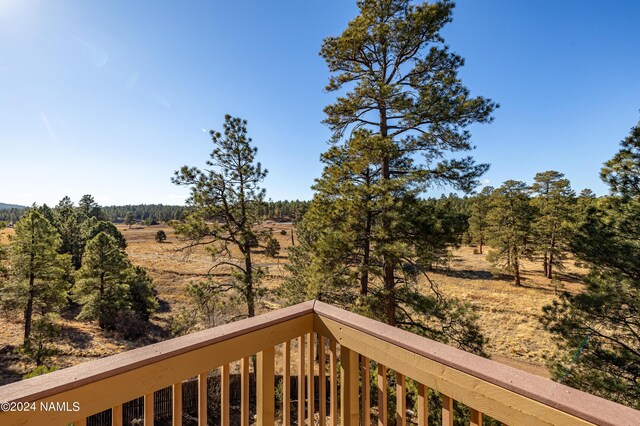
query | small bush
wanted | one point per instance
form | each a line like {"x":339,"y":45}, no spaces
{"x":39,"y":371}
{"x":130,"y":326}
{"x":161,"y":236}
{"x":283,"y":232}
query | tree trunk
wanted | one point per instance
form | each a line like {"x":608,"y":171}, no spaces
{"x":28,"y":312}
{"x":364,"y":277}
{"x":248,"y":280}
{"x":481,"y":241}
{"x":546,"y":265}
{"x":550,"y":268}
{"x":516,"y":267}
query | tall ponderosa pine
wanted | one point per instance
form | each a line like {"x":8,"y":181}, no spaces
{"x":600,"y":327}
{"x":478,"y":223}
{"x":554,"y":202}
{"x":224,"y":203}
{"x":403,"y":112}
{"x":510,"y":220}
{"x":37,"y":283}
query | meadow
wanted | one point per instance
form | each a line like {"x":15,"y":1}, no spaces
{"x":509,"y":316}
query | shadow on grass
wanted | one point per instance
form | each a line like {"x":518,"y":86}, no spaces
{"x":467,"y":274}
{"x":8,"y":357}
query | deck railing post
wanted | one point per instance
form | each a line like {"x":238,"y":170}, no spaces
{"x":423,"y":405}
{"x":382,"y":395}
{"x":148,"y":409}
{"x":244,"y":391}
{"x":265,"y":387}
{"x":202,"y":399}
{"x":177,"y":404}
{"x":349,"y":386}
{"x":286,"y":384}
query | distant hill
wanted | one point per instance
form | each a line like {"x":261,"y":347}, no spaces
{"x":4,"y":206}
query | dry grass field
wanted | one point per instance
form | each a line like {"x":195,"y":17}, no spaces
{"x":508,"y":315}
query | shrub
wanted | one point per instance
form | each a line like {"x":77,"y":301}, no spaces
{"x":161,"y":236}
{"x":130,"y":326}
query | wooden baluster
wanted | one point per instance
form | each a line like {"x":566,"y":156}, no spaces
{"x":366,"y":409}
{"x":382,"y":395}
{"x":265,"y":387}
{"x":244,"y":391}
{"x":310,"y":380}
{"x":301,"y":380}
{"x":202,"y":399}
{"x":447,"y":410}
{"x":423,"y":405}
{"x":224,"y":395}
{"x":333,"y":380}
{"x":322,"y":381}
{"x":116,"y":415}
{"x":476,"y":418}
{"x":148,"y":409}
{"x":401,"y":400}
{"x":177,"y":404}
{"x":286,"y":384}
{"x":349,"y":407}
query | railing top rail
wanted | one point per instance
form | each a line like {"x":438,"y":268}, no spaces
{"x":62,"y":380}
{"x":579,"y":404}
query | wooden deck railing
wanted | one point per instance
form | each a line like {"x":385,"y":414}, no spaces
{"x":335,"y":350}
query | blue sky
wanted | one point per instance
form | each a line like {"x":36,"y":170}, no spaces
{"x":110,"y":97}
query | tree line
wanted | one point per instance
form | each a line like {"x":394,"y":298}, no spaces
{"x":70,"y":256}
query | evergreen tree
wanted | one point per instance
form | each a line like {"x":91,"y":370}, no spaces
{"x":142,"y":294}
{"x":69,"y":222}
{"x":37,"y":282}
{"x":225,"y":203}
{"x":161,"y":236}
{"x":554,"y":202}
{"x":478,"y":223}
{"x":401,"y":85}
{"x":101,"y":285}
{"x":129,"y":219}
{"x":600,"y":327}
{"x":510,"y":219}
{"x":90,"y":208}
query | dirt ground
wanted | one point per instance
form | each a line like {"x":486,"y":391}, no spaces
{"x":508,"y":315}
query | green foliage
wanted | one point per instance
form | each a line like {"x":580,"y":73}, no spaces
{"x":108,"y":285}
{"x":510,"y":220}
{"x":599,"y":328}
{"x":39,"y":371}
{"x":224,"y":203}
{"x":100,"y":286}
{"x":272,"y":248}
{"x":129,"y":219}
{"x":554,"y":201}
{"x":161,"y":236}
{"x":36,"y":284}
{"x":44,"y":333}
{"x":142,"y":293}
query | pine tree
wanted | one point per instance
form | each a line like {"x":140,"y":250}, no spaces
{"x":101,"y":281}
{"x":225,"y":204}
{"x":129,"y":219}
{"x":401,"y":84}
{"x":478,"y":224}
{"x":554,"y":200}
{"x":510,"y":219}
{"x":37,"y":282}
{"x":599,"y":328}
